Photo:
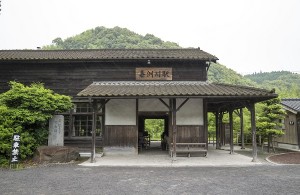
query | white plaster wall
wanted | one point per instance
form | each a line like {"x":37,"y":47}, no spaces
{"x":120,"y":112}
{"x":153,"y":105}
{"x":191,"y":113}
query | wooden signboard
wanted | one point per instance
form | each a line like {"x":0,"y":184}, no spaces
{"x":153,"y":74}
{"x":15,"y":149}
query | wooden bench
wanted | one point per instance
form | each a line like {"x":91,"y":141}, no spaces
{"x":189,"y":148}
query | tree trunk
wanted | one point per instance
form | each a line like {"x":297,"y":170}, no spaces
{"x":259,"y":138}
{"x":272,"y":144}
{"x":269,"y":143}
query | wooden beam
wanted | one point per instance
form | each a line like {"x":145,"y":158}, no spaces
{"x":231,"y":130}
{"x":103,"y":126}
{"x":253,"y":129}
{"x":220,"y":143}
{"x":70,"y":123}
{"x":205,"y":120}
{"x":94,"y":123}
{"x":174,"y":127}
{"x":137,"y":124}
{"x":162,"y":101}
{"x":171,"y":107}
{"x":217,"y":129}
{"x":187,"y":99}
{"x":242,"y":128}
{"x":103,"y":104}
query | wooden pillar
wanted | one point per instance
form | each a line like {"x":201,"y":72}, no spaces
{"x":217,"y":130}
{"x":103,"y":102}
{"x":71,"y":123}
{"x":298,"y":132}
{"x":219,"y":127}
{"x":94,"y":123}
{"x":242,"y":128}
{"x":253,"y":129}
{"x":174,"y":127}
{"x":220,"y":130}
{"x":137,"y":125}
{"x":231,"y":130}
{"x":205,"y":120}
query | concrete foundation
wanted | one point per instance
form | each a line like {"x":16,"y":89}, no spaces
{"x":120,"y":151}
{"x":288,"y":146}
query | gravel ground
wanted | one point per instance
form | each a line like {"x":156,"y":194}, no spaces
{"x":75,"y":179}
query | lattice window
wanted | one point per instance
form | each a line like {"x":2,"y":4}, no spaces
{"x":82,"y":121}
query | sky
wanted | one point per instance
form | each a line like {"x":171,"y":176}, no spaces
{"x":246,"y":35}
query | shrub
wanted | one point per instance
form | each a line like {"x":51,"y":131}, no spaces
{"x":26,"y":110}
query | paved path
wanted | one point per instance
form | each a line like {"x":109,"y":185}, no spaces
{"x":158,"y":158}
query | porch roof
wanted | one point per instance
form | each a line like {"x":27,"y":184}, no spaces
{"x":292,"y":104}
{"x":143,"y":89}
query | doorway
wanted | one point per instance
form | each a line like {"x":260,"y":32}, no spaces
{"x":152,"y":132}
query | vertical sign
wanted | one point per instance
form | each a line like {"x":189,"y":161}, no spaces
{"x":153,"y":74}
{"x":15,"y":149}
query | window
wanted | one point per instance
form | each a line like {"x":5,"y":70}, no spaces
{"x":282,"y":121}
{"x":82,"y":121}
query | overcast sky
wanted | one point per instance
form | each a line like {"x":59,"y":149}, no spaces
{"x":246,"y":35}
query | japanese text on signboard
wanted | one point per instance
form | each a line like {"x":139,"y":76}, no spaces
{"x":15,"y":149}
{"x":153,"y":74}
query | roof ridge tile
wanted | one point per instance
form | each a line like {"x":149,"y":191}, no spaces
{"x":102,"y":54}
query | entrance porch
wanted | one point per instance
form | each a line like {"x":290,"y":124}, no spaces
{"x":187,"y":104}
{"x":160,"y":158}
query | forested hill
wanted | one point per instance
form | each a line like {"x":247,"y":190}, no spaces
{"x":119,"y":38}
{"x":287,"y":84}
{"x":221,"y":74}
{"x":110,"y":38}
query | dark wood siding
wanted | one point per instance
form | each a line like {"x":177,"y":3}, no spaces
{"x":189,"y":134}
{"x":84,"y":144}
{"x":120,"y":135}
{"x":69,"y":78}
{"x":290,"y":131}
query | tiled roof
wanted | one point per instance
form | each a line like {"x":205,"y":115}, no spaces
{"x":293,"y":103}
{"x":171,"y":88}
{"x":104,"y":54}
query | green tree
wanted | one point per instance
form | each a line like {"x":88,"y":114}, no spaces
{"x":26,"y":110}
{"x":269,"y":121}
{"x":58,"y":41}
{"x":221,"y":74}
{"x":110,"y":38}
{"x":155,"y":128}
{"x":286,"y":84}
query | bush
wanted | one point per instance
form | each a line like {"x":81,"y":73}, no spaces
{"x":26,"y":110}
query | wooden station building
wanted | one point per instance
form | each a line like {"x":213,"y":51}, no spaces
{"x":115,"y":90}
{"x":291,"y":125}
